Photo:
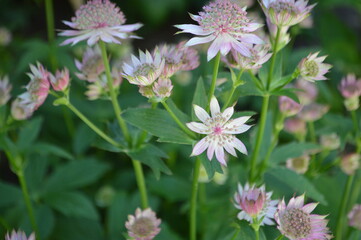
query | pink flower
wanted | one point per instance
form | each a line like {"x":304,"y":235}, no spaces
{"x":144,"y":225}
{"x":20,"y":235}
{"x":312,"y":67}
{"x":163,"y":88}
{"x":308,"y":93}
{"x":288,"y":107}
{"x":226,"y":25}
{"x":98,"y":20}
{"x":296,"y":222}
{"x":350,"y":87}
{"x":354,"y":217}
{"x":313,"y":112}
{"x":259,"y":55}
{"x":5,"y":88}
{"x":190,"y":57}
{"x":91,"y":66}
{"x":61,"y":80}
{"x":220,"y":130}
{"x":145,"y":70}
{"x":38,"y":87}
{"x":99,"y":88}
{"x":255,"y":203}
{"x":286,"y":12}
{"x":172,"y":59}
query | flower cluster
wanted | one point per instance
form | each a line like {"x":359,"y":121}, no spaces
{"x":350,"y":88}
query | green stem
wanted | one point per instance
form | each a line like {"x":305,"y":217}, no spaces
{"x":273,"y":59}
{"x":234,"y":87}
{"x":214,"y":77}
{"x":113,"y":96}
{"x":279,"y":237}
{"x":193,"y":209}
{"x":256,"y":231}
{"x":29,"y":207}
{"x":259,"y":138}
{"x":51,"y":33}
{"x":141,"y":183}
{"x":343,"y":206}
{"x":357,"y":130}
{"x":179,"y":123}
{"x":273,"y":144}
{"x":235,"y":234}
{"x":92,"y":126}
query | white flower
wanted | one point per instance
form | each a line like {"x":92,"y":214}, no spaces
{"x":220,"y":130}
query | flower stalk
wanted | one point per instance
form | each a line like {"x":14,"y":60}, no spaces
{"x":234,"y":87}
{"x":273,"y":59}
{"x":113,"y":95}
{"x":214,"y":77}
{"x":193,"y":208}
{"x":141,"y":183}
{"x":259,"y":138}
{"x":51,"y":33}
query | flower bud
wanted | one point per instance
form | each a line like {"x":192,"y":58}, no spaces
{"x":330,"y":141}
{"x":61,"y":80}
{"x":295,"y":126}
{"x":313,"y":112}
{"x":21,"y":110}
{"x":352,"y":104}
{"x":350,"y":163}
{"x":163,"y":88}
{"x":288,"y":107}
{"x":5,"y":88}
{"x":298,"y":164}
{"x":354,"y":217}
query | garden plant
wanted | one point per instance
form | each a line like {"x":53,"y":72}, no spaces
{"x":227,"y":129}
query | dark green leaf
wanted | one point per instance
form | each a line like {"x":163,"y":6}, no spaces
{"x":10,"y":194}
{"x":50,"y":149}
{"x":84,"y":136}
{"x":117,"y":212}
{"x":200,"y":97}
{"x":76,"y":174}
{"x":72,"y":204}
{"x":170,"y":188}
{"x":158,"y":123}
{"x":29,"y":133}
{"x":291,"y":150}
{"x":152,"y":157}
{"x":297,"y":182}
{"x":181,"y":115}
{"x":288,"y":92}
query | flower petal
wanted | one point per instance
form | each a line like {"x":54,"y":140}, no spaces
{"x":214,"y":106}
{"x":199,"y":128}
{"x":236,"y":143}
{"x":199,"y":40}
{"x":220,"y":155}
{"x":201,"y":113}
{"x":200,"y":147}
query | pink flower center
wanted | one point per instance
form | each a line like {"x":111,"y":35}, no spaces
{"x":217,"y":130}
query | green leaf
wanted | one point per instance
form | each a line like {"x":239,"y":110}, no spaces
{"x":72,"y":204}
{"x":151,"y":156}
{"x":170,"y":188}
{"x":116,"y":213}
{"x":50,"y":149}
{"x":298,"y":183}
{"x":10,"y":194}
{"x":158,"y":123}
{"x":291,"y":150}
{"x":83,"y":138}
{"x":277,"y":71}
{"x":76,"y":174}
{"x":249,"y":88}
{"x":29,"y":133}
{"x":288,"y":92}
{"x":181,"y":115}
{"x":211,"y":166}
{"x":200,"y":97}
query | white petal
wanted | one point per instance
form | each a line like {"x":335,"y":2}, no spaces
{"x":200,"y":147}
{"x":199,"y":128}
{"x":236,"y":143}
{"x":129,"y":27}
{"x":214,"y":106}
{"x":199,"y":40}
{"x":229,"y":148}
{"x":251,"y":38}
{"x":201,"y":113}
{"x":239,"y":121}
{"x":237,"y":130}
{"x":211,"y":149}
{"x":241,"y":48}
{"x":227,"y":114}
{"x":220,"y":155}
{"x":194,"y":29}
{"x":214,"y":48}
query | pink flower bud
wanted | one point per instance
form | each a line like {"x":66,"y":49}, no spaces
{"x":61,"y":80}
{"x":354,"y":217}
{"x":288,"y":107}
{"x":350,"y":163}
{"x":313,"y":112}
{"x":296,"y":126}
{"x":350,"y":87}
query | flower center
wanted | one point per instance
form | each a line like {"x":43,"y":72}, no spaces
{"x":98,"y":14}
{"x":223,"y":17}
{"x":296,"y":223}
{"x":144,"y":69}
{"x":143,"y":227}
{"x":311,"y":68}
{"x":92,"y":64}
{"x":280,"y":6}
{"x":217,"y":130}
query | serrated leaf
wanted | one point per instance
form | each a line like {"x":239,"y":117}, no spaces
{"x":291,"y":150}
{"x":28,"y":133}
{"x":75,"y":174}
{"x":297,"y":182}
{"x":151,"y":156}
{"x":72,"y":204}
{"x":158,"y":123}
